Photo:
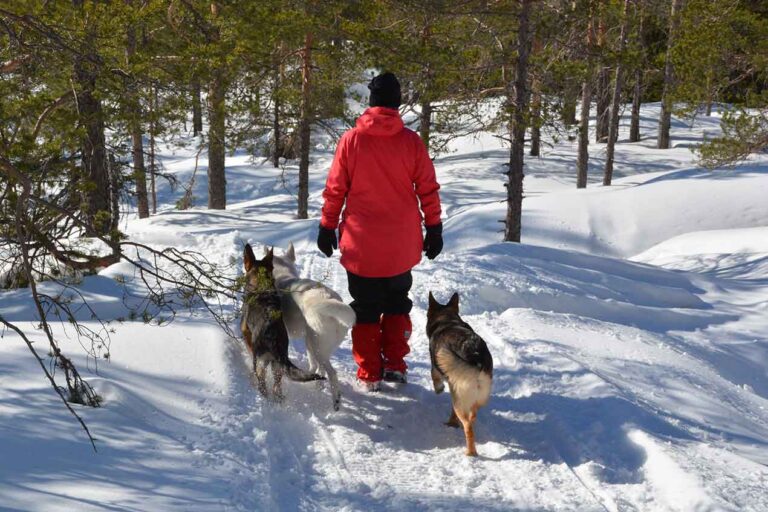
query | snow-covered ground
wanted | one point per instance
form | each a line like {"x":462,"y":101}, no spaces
{"x":629,"y":335}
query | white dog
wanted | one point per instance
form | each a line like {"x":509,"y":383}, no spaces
{"x":314,"y":312}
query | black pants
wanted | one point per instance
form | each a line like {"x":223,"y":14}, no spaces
{"x":374,"y":296}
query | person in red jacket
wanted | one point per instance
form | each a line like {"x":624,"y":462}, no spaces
{"x":384,"y":180}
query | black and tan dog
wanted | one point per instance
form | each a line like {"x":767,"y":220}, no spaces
{"x":460,"y":357}
{"x":263,"y":328}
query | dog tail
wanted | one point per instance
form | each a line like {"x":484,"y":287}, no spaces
{"x":470,"y":380}
{"x":329,"y":309}
{"x":297,"y":374}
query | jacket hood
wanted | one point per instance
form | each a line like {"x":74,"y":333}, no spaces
{"x":380,"y":121}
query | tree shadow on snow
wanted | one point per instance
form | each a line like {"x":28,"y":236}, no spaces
{"x":142,"y":455}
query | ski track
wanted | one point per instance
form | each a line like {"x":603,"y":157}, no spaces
{"x":382,"y":451}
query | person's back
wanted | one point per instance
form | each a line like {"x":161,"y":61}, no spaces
{"x":382,"y":176}
{"x":380,"y":230}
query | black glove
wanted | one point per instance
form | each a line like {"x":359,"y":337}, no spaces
{"x":433,"y":242}
{"x":326,"y":240}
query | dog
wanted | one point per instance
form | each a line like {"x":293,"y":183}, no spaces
{"x":460,"y":357}
{"x":263,"y":329}
{"x":316,"y":313}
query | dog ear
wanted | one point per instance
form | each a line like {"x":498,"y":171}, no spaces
{"x":249,"y":260}
{"x":268,"y":259}
{"x":291,"y":252}
{"x":454,"y":302}
{"x":432,"y":302}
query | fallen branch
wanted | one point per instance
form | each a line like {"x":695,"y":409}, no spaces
{"x":50,"y":378}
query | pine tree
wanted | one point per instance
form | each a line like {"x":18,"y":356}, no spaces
{"x":602,"y":93}
{"x":618,"y":84}
{"x":305,"y":121}
{"x":518,"y":97}
{"x":639,"y":64}
{"x":665,"y":118}
{"x":430,"y":46}
{"x":582,"y":163}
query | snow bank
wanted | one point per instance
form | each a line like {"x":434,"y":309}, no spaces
{"x":618,"y":384}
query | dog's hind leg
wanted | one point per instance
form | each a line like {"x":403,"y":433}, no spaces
{"x":313,"y":349}
{"x":260,"y":369}
{"x":277,"y":384}
{"x":333,"y":379}
{"x":247,"y":337}
{"x":467,"y":419}
{"x":437,"y":381}
{"x":453,"y":421}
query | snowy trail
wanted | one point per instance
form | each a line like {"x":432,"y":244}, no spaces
{"x":630,"y":348}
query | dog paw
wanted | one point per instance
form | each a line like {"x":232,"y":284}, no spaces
{"x":471,"y":453}
{"x":439,"y":388}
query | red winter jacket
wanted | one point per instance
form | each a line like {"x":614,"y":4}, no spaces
{"x":383,"y":172}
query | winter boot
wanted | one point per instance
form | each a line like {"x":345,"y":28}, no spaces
{"x":369,"y":387}
{"x":366,"y":349}
{"x":395,"y":376}
{"x":395,"y":332}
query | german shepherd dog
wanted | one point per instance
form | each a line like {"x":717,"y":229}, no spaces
{"x":460,"y":357}
{"x":263,"y":329}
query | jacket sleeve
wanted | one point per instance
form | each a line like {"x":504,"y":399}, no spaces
{"x":336,"y":186}
{"x":426,"y":185}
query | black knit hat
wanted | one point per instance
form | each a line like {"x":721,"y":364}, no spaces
{"x":385,"y":91}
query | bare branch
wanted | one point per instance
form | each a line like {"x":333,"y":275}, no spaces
{"x":61,"y":100}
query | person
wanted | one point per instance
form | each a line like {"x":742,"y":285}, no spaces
{"x":384,"y":179}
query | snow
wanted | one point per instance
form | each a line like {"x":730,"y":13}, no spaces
{"x":628,"y":331}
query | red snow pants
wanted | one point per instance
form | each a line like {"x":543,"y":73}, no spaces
{"x":380,"y":336}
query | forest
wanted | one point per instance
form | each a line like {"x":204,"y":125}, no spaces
{"x":96,"y":94}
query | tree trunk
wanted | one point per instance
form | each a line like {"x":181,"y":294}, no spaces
{"x":535,"y":119}
{"x":137,"y":134}
{"x":139,"y":171}
{"x":425,"y":116}
{"x":305,"y":122}
{"x":637,"y":90}
{"x":603,"y":98}
{"x":217,"y":182}
{"x":634,"y":126}
{"x":425,"y":122}
{"x":114,"y":192}
{"x":603,"y":104}
{"x":197,"y":108}
{"x":276,"y":135}
{"x":518,"y":110}
{"x":582,"y":162}
{"x":217,"y":116}
{"x":665,"y":119}
{"x":618,"y":85}
{"x":152,"y":132}
{"x":96,"y":191}
{"x":570,"y":100}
